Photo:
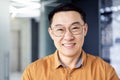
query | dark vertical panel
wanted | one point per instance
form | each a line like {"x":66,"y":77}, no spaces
{"x":91,"y":8}
{"x":50,"y":44}
{"x":34,"y":33}
{"x":19,"y":50}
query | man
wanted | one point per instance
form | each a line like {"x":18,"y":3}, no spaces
{"x":67,"y":29}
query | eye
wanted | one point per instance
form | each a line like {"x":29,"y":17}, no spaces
{"x":60,"y":29}
{"x":75,"y":28}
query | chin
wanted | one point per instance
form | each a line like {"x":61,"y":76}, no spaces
{"x":69,"y":53}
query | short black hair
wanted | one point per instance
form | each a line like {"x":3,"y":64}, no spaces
{"x":66,"y":7}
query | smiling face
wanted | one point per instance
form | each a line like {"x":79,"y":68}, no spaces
{"x":70,"y":43}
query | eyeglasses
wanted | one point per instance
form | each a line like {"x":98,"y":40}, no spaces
{"x":60,"y":30}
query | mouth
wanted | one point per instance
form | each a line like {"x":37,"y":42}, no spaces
{"x":69,"y":45}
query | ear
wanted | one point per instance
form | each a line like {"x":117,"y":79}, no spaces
{"x":85,"y":29}
{"x":50,"y":33}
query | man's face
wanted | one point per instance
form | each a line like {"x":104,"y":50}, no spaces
{"x":66,"y":36}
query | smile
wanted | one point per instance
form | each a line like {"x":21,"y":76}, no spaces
{"x":69,"y":44}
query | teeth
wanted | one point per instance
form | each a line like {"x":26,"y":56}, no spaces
{"x":70,"y":44}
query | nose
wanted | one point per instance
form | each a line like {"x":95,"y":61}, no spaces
{"x":68,"y":35}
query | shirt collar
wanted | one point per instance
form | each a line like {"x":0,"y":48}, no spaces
{"x":58,"y":63}
{"x":56,"y":60}
{"x":79,"y":63}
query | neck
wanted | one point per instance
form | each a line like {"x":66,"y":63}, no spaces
{"x":69,"y":61}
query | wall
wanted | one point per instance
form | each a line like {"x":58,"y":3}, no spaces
{"x":4,"y":39}
{"x":20,"y":50}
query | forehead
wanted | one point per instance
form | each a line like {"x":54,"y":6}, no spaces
{"x":66,"y":17}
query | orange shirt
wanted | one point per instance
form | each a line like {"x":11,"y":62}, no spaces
{"x":50,"y":68}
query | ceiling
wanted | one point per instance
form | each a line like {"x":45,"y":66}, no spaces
{"x":28,"y":8}
{"x":24,"y":8}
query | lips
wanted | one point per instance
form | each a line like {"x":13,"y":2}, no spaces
{"x":69,"y":45}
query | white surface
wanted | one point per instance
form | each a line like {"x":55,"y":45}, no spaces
{"x":15,"y":76}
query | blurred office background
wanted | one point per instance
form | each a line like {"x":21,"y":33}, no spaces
{"x":24,"y":37}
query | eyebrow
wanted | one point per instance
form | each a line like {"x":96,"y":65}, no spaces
{"x":76,"y":23}
{"x":70,"y":24}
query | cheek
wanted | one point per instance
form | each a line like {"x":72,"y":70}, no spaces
{"x":57,"y":41}
{"x":80,"y":39}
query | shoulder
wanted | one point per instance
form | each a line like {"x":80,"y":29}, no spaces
{"x":103,"y":68}
{"x":40,"y":64}
{"x":36,"y":68}
{"x":98,"y":63}
{"x":42,"y":61}
{"x":97,"y":60}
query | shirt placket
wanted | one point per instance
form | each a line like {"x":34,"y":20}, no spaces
{"x":68,"y":74}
